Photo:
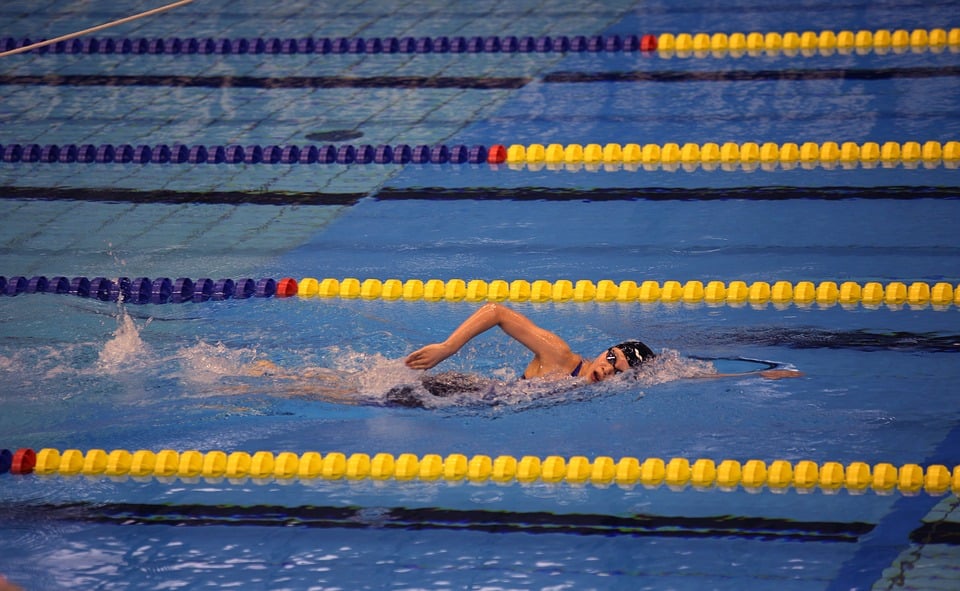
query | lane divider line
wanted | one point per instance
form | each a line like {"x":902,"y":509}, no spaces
{"x":733,"y":156}
{"x":849,"y":294}
{"x":670,"y":156}
{"x":676,"y":473}
{"x":803,"y":293}
{"x":666,"y":45}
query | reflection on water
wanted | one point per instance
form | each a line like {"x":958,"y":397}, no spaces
{"x":275,"y":547}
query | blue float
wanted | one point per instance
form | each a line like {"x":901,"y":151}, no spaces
{"x":182,"y":290}
{"x":244,"y":288}
{"x":160,"y":290}
{"x":15,"y":286}
{"x":203,"y":290}
{"x":223,"y":289}
{"x":80,"y":287}
{"x":142,"y":154}
{"x":37,"y":284}
{"x":58,"y":285}
{"x":266,"y":288}
{"x":101,"y":288}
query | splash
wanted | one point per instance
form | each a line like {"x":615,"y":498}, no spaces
{"x":376,"y":374}
{"x":126,"y":349}
{"x":670,"y":365}
{"x":203,"y":363}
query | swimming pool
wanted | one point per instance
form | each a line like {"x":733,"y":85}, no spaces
{"x":86,"y":374}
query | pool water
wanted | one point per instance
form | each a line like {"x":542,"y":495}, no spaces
{"x":80,"y":373}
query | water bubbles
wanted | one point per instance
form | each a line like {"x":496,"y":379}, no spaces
{"x":126,"y":349}
{"x":203,"y":363}
{"x":670,"y":365}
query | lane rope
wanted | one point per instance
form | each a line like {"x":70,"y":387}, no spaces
{"x":670,"y":156}
{"x":253,"y":154}
{"x":826,"y":293}
{"x":675,"y":473}
{"x":849,"y":294}
{"x":143,"y":290}
{"x":733,"y":156}
{"x":666,"y":45}
{"x":25,"y":45}
{"x":808,"y":43}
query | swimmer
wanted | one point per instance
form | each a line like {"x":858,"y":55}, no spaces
{"x":553,"y":361}
{"x":552,"y":357}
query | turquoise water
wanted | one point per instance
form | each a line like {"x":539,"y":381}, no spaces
{"x":81,"y":373}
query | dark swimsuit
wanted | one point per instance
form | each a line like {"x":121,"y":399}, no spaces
{"x":573,"y":374}
{"x":444,"y":385}
{"x":576,"y":370}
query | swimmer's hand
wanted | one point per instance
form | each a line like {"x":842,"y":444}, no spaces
{"x":779,"y":374}
{"x":429,"y":356}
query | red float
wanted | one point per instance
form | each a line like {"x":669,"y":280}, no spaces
{"x":497,"y":154}
{"x":286,"y":287}
{"x":23,"y":461}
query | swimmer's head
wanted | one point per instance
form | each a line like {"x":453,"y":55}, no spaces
{"x":619,"y":358}
{"x":636,"y":353}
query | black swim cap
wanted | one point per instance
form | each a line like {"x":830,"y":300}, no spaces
{"x":636,"y":352}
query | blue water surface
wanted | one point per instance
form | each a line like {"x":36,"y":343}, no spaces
{"x":86,"y":374}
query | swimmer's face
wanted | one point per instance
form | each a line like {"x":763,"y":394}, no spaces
{"x":608,"y":364}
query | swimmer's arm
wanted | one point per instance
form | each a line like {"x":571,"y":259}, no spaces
{"x":543,"y":343}
{"x":770,"y":374}
{"x":778,"y":374}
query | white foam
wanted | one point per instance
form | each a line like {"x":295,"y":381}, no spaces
{"x":204,"y":363}
{"x":379,"y":374}
{"x":126,"y":350}
{"x":669,"y":366}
